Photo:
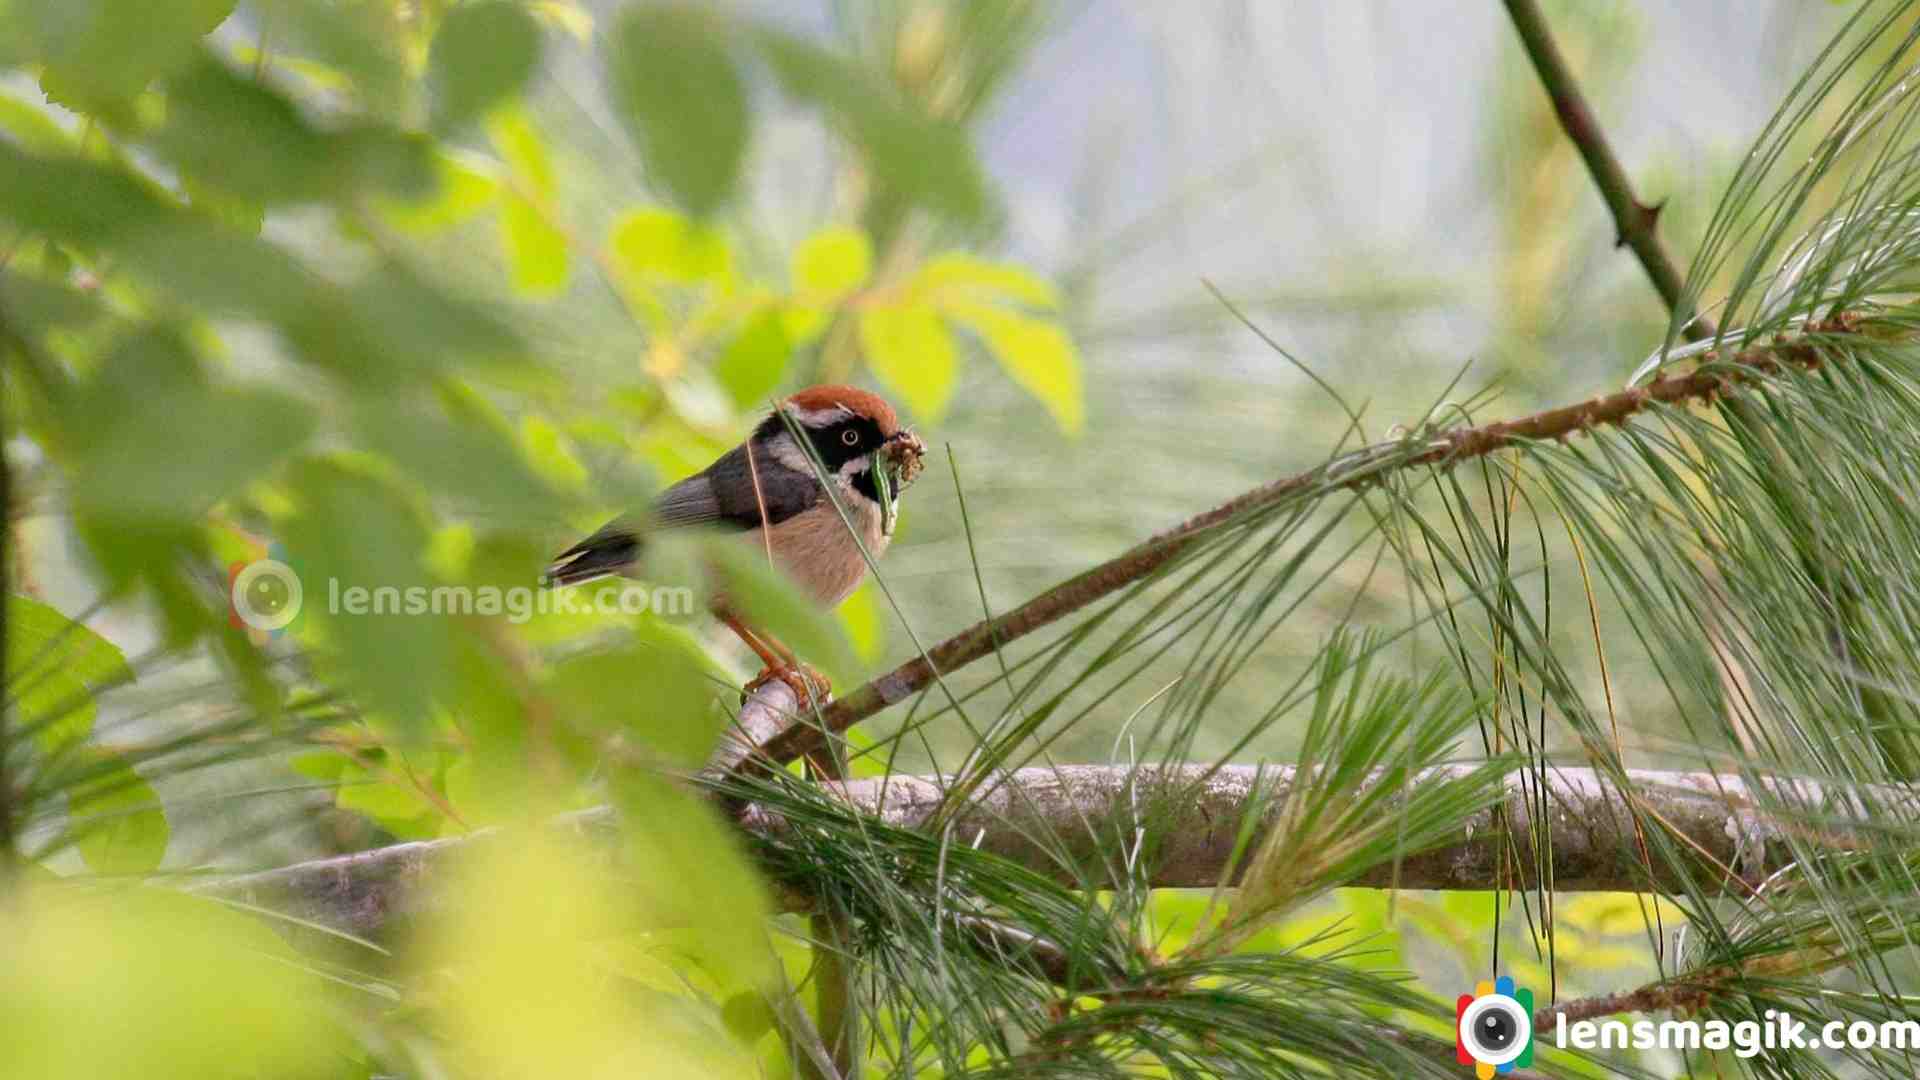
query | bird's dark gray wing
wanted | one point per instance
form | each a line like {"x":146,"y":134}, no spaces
{"x":723,"y":494}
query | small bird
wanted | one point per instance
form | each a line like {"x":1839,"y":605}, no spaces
{"x":768,"y":489}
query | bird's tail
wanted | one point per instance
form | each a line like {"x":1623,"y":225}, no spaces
{"x":606,"y":552}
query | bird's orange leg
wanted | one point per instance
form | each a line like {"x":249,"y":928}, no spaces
{"x":809,"y":686}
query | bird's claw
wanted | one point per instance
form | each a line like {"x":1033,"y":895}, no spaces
{"x":808,"y":685}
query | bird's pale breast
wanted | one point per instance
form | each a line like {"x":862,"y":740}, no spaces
{"x":815,"y":549}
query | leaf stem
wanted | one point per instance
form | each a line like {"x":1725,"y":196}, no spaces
{"x":1636,"y":221}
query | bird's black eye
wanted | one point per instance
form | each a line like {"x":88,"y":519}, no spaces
{"x":850,"y":437}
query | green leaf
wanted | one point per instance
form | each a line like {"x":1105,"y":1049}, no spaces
{"x":36,"y":305}
{"x":753,"y":364}
{"x":769,"y":602}
{"x":391,"y":801}
{"x":683,"y":97}
{"x":912,"y":352}
{"x":352,"y":47}
{"x":55,"y":667}
{"x":957,"y":275}
{"x":150,"y":393}
{"x":477,"y":469}
{"x":832,"y":263}
{"x":926,"y":161}
{"x":536,"y":250}
{"x":1037,"y":355}
{"x":120,"y":826}
{"x":39,"y":634}
{"x":392,"y":325}
{"x":698,"y":877}
{"x":353,"y":535}
{"x":460,"y":191}
{"x":101,"y":54}
{"x":660,"y":692}
{"x":660,"y":244}
{"x":552,"y":453}
{"x":482,"y":54}
{"x":32,"y":128}
{"x":249,"y":140}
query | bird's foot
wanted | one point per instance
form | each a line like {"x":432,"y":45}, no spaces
{"x":807,"y":684}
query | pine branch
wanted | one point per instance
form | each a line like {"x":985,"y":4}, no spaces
{"x":1352,"y":471}
{"x":1196,"y":812}
{"x":1636,"y":221}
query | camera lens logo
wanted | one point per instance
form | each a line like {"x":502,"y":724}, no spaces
{"x":264,"y":594}
{"x":1494,"y":1028}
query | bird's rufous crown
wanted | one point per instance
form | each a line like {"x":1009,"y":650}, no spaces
{"x":870,"y":405}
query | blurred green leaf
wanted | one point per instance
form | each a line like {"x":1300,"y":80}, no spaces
{"x":753,"y":364}
{"x":391,"y":326}
{"x":832,"y":263}
{"x":696,"y":877}
{"x":460,"y":191}
{"x":99,"y":55}
{"x":956,"y":275}
{"x":912,"y":352}
{"x":483,"y":53}
{"x":536,"y":249}
{"x":655,"y":243}
{"x":249,"y":140}
{"x":659,"y":691}
{"x":350,"y":46}
{"x":552,"y":453}
{"x":55,"y":665}
{"x":76,"y":201}
{"x":31,"y":127}
{"x":747,"y":1016}
{"x":767,"y":601}
{"x":156,"y":984}
{"x":1037,"y":355}
{"x":34,"y":305}
{"x":568,"y":16}
{"x":148,"y":392}
{"x":477,"y":470}
{"x":681,"y":93}
{"x":389,"y":798}
{"x":119,"y":823}
{"x":521,"y":954}
{"x":352,"y":531}
{"x":928,"y":162}
{"x":238,"y":213}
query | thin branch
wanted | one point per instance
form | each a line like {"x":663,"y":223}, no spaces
{"x":1446,"y":449}
{"x":1636,"y":221}
{"x":1196,"y":816}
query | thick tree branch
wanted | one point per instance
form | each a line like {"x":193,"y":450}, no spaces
{"x":1636,"y":221}
{"x":1445,"y":449}
{"x":1196,"y":813}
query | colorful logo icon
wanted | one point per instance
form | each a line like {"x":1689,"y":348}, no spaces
{"x":1493,"y":1029}
{"x":264,"y":593}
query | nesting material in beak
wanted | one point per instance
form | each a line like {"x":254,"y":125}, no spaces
{"x":895,"y":466}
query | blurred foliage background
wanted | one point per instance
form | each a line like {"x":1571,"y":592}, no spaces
{"x":414,"y":292}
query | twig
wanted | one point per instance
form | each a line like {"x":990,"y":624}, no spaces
{"x":1199,"y":808}
{"x":1636,"y":221}
{"x":1446,"y":449}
